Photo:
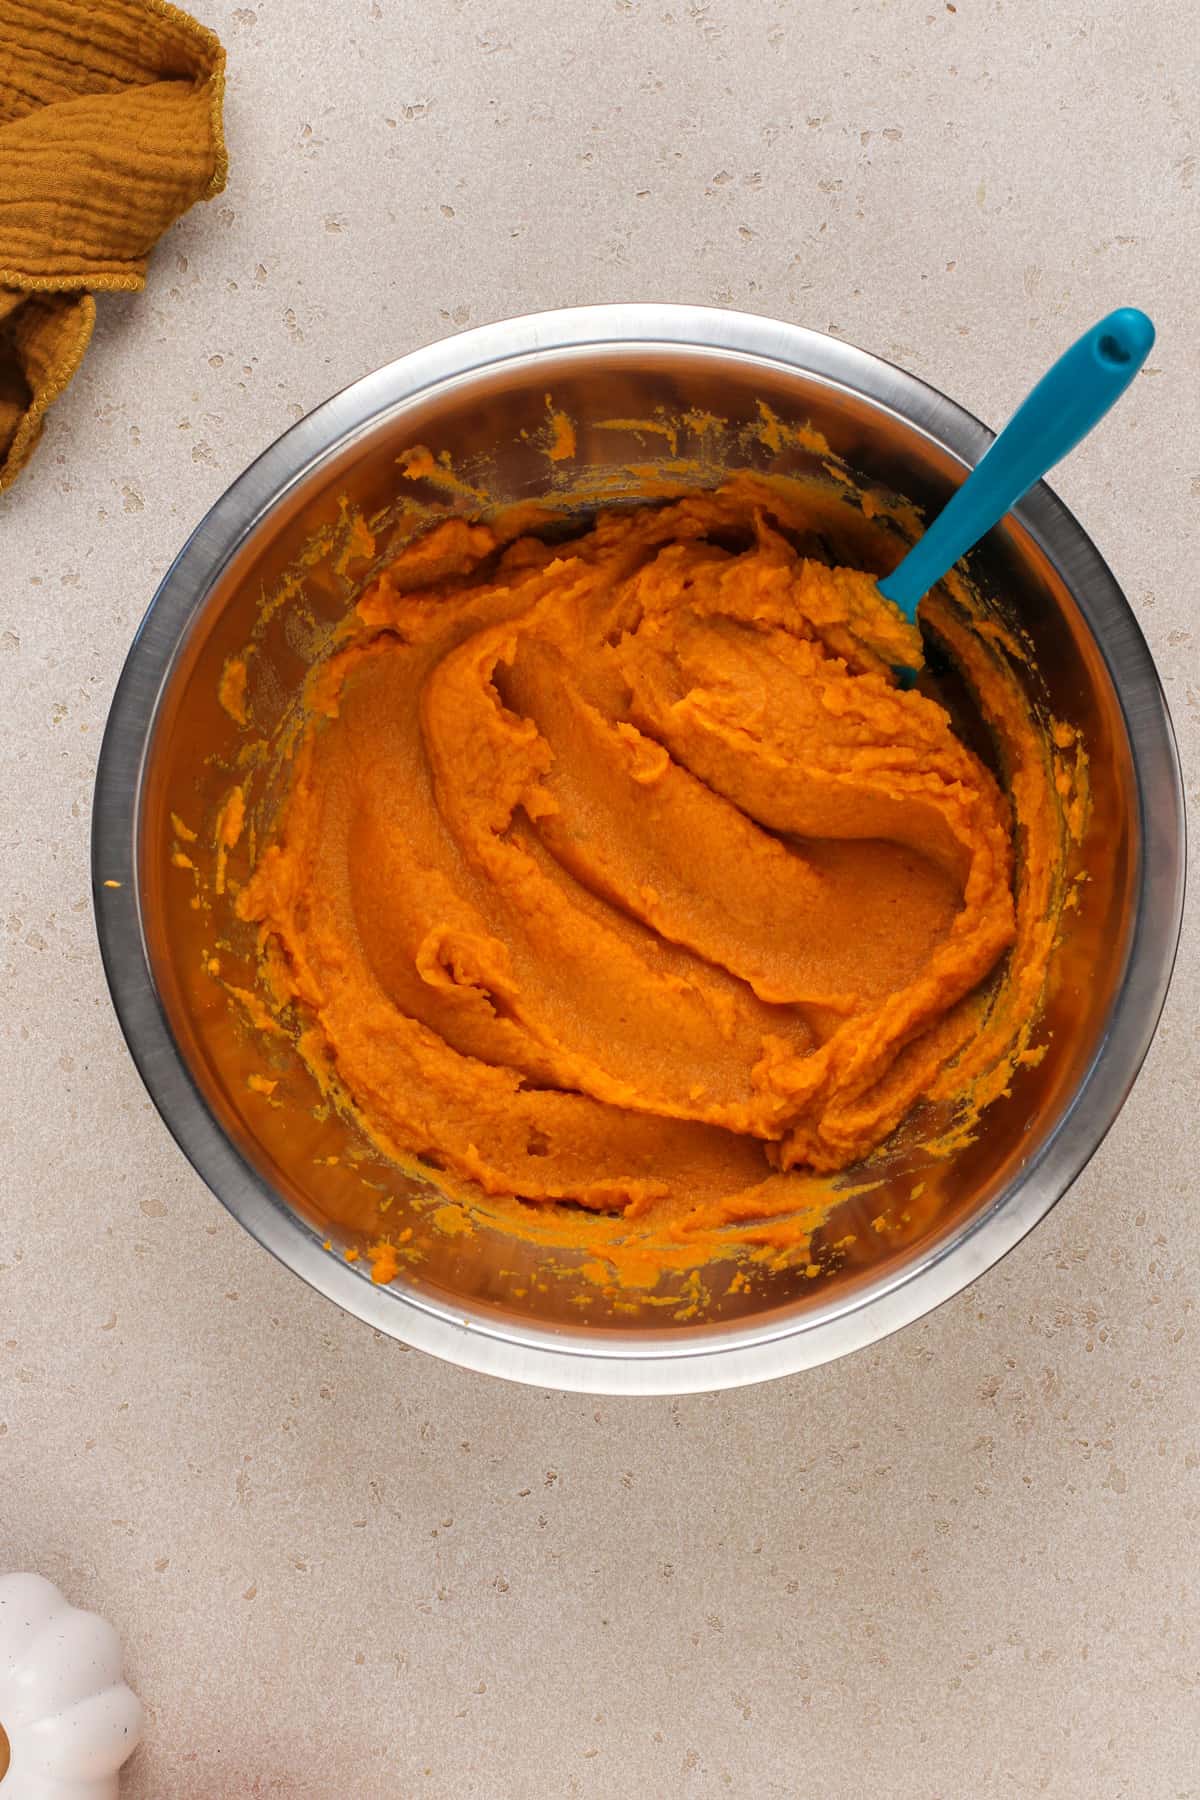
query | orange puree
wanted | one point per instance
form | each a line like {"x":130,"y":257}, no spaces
{"x":620,"y":872}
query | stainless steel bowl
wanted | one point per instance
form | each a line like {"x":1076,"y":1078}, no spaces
{"x":482,"y":397}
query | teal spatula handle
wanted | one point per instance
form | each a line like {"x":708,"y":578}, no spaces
{"x":1063,"y":407}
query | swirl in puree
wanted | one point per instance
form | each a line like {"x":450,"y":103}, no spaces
{"x":620,"y":872}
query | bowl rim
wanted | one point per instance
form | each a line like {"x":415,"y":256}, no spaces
{"x":576,"y":1359}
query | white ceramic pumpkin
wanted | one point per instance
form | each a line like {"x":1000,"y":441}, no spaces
{"x":67,"y":1719}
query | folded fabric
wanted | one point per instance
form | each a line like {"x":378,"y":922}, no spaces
{"x":110,"y":128}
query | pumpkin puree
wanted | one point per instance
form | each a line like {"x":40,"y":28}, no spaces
{"x":621,"y":873}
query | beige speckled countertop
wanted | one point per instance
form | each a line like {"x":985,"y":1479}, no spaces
{"x":962,"y":1564}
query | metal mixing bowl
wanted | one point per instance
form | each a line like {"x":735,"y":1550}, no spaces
{"x":482,"y":397}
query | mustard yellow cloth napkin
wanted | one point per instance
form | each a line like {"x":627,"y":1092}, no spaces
{"x":110,"y":128}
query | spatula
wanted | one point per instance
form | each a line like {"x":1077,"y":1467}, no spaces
{"x":1072,"y":397}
